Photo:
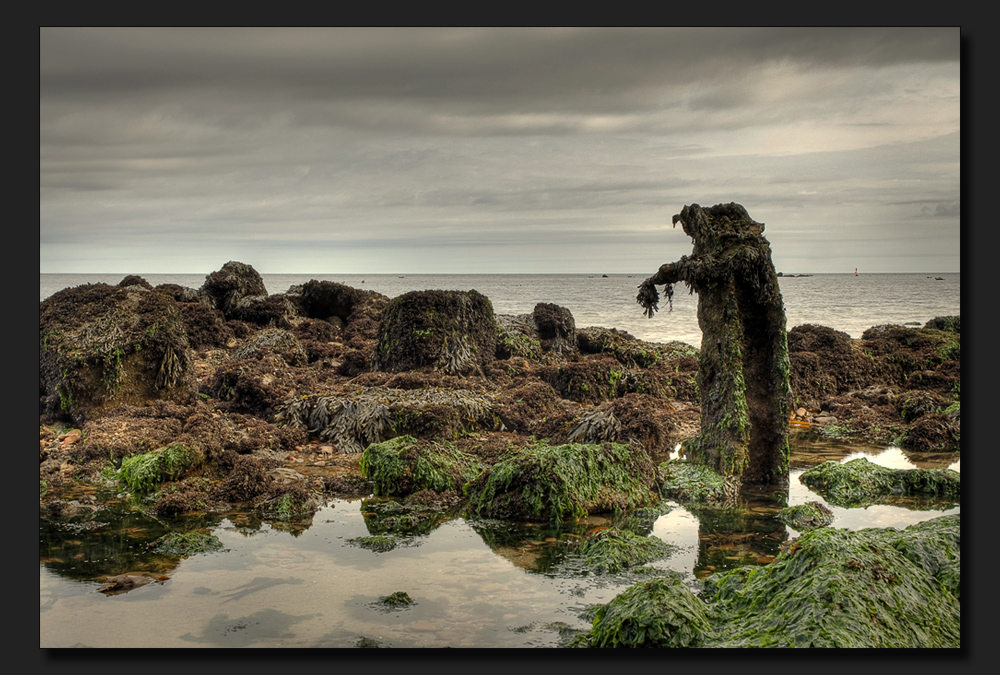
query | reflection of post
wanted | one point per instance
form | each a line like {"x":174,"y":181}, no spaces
{"x":729,"y":538}
{"x":743,"y":369}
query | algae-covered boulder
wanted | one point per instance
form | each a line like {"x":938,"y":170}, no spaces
{"x":661,"y":612}
{"x":691,"y":483}
{"x":224,"y":289}
{"x":556,"y":328}
{"x":556,"y":483}
{"x":404,"y":465}
{"x":861,"y":482}
{"x":876,"y":588}
{"x":614,"y":550}
{"x":102,"y":346}
{"x":453,"y":332}
{"x":805,"y":517}
{"x":882,"y":588}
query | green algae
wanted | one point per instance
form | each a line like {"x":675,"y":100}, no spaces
{"x":836,"y":588}
{"x":187,"y":544}
{"x":556,"y":483}
{"x":875,"y":588}
{"x":861,"y":482}
{"x":612,"y":550}
{"x":660,"y":612}
{"x":691,"y":483}
{"x":403,"y":465}
{"x":805,"y":517}
{"x":142,"y":473}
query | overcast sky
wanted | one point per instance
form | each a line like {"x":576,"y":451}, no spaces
{"x":443,"y":150}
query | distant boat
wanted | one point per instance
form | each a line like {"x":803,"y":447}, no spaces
{"x":855,"y":271}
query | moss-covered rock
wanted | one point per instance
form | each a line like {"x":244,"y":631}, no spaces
{"x":555,"y":483}
{"x":805,"y":517}
{"x":836,"y":588}
{"x":691,"y":483}
{"x":143,"y":473}
{"x":661,"y":612}
{"x":614,"y":550}
{"x":404,"y":465}
{"x":861,"y":482}
{"x":877,"y":588}
{"x":102,"y":346}
{"x":454,"y":332}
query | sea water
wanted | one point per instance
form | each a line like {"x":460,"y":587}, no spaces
{"x":845,"y":302}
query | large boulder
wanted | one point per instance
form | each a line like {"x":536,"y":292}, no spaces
{"x":454,"y":332}
{"x":102,"y":346}
{"x":226,"y":288}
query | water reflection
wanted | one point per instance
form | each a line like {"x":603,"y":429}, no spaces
{"x":475,"y":582}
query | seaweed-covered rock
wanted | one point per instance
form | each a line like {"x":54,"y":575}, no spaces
{"x":273,"y":341}
{"x":835,"y":588}
{"x":613,"y":550}
{"x":805,"y":517}
{"x":691,"y":483}
{"x":861,"y":482}
{"x":556,"y":328}
{"x":556,"y":483}
{"x":632,"y":418}
{"x":661,"y":612}
{"x":358,"y":418}
{"x":405,"y":465}
{"x":227,"y":287}
{"x":451,"y":331}
{"x":933,"y":433}
{"x":102,"y":346}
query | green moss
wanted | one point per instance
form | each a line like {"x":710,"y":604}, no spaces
{"x":378,"y":543}
{"x":875,"y":588}
{"x":142,"y":473}
{"x":397,"y":599}
{"x":404,"y":465}
{"x":660,"y":612}
{"x":861,"y":482}
{"x":612,"y":550}
{"x":690,"y":483}
{"x":564,"y":482}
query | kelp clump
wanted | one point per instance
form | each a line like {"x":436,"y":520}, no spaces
{"x":354,"y":420}
{"x":860,"y":482}
{"x":555,"y":483}
{"x":405,"y":465}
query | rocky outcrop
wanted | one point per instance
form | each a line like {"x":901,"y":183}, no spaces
{"x":453,"y":332}
{"x":102,"y":346}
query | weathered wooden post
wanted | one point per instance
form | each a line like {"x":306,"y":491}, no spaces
{"x":743,"y":369}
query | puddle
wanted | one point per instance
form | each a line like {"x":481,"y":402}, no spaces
{"x":473,"y":583}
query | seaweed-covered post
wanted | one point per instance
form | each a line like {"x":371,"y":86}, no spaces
{"x":743,"y":368}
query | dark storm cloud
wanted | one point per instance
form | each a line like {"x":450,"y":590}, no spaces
{"x":379,"y":137}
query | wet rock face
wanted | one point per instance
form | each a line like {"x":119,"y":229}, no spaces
{"x":102,"y":346}
{"x":453,"y":332}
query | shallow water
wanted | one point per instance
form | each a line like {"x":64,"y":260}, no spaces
{"x":473,"y":583}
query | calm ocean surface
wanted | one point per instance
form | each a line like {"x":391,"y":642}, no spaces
{"x":848,"y":303}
